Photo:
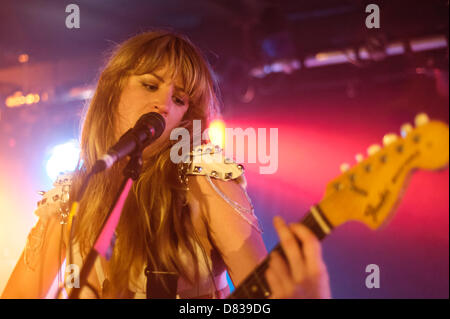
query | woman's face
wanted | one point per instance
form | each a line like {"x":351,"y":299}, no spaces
{"x":152,"y":92}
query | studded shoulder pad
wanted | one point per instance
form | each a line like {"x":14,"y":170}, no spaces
{"x":58,"y":194}
{"x":208,"y":159}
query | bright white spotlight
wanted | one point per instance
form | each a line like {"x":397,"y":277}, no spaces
{"x":63,"y":158}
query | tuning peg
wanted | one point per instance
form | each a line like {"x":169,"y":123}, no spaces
{"x":359,"y":157}
{"x":421,"y":119}
{"x":405,"y":129}
{"x":389,"y":139}
{"x":344,"y":167}
{"x":373,"y":149}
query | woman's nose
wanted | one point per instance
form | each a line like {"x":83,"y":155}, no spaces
{"x":163,"y":102}
{"x":161,"y":108}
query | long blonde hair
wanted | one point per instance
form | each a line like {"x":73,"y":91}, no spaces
{"x":155,"y":223}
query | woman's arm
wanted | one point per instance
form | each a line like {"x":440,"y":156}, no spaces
{"x":302,"y":275}
{"x":39,"y":263}
{"x":238,"y":241}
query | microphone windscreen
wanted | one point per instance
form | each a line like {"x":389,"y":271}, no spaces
{"x":154,"y":120}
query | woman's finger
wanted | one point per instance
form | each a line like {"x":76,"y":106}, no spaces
{"x":291,"y":249}
{"x":274,"y":284}
{"x":273,"y":278}
{"x":281,"y":269}
{"x":312,"y":249}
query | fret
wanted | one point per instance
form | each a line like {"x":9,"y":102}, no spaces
{"x":246,"y":292}
{"x":258,"y":286}
{"x":262,"y":284}
{"x":255,"y":285}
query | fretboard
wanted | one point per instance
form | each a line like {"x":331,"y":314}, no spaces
{"x":255,"y":285}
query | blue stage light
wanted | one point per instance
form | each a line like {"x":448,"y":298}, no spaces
{"x":63,"y":158}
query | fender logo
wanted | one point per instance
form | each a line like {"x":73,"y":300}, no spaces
{"x":374,"y":210}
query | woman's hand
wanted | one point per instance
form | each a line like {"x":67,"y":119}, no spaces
{"x":304,"y":275}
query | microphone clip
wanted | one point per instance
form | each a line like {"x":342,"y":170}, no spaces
{"x":134,"y":166}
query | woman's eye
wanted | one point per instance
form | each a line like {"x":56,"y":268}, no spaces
{"x":151,"y":87}
{"x":178,"y":100}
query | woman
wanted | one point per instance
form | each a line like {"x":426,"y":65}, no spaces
{"x":170,"y":223}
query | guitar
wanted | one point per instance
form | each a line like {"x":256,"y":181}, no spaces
{"x":368,"y":192}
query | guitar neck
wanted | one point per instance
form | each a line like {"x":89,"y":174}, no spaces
{"x":255,"y":285}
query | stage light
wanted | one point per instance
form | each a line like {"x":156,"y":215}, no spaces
{"x":80,"y":93}
{"x":63,"y":158}
{"x":29,"y":99}
{"x":13,"y":100}
{"x":216,"y":132}
{"x":23,"y":58}
{"x":278,"y":66}
{"x":18,"y":99}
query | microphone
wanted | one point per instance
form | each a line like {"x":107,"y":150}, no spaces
{"x":148,"y":128}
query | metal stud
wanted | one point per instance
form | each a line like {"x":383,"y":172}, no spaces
{"x":197,"y":169}
{"x":240,"y":167}
{"x":228,"y":175}
{"x":214,"y":174}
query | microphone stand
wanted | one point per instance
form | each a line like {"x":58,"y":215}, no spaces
{"x":104,"y":243}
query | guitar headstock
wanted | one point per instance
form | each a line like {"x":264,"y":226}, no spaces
{"x":369,"y":191}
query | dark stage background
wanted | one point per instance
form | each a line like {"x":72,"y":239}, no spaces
{"x":324,"y":114}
